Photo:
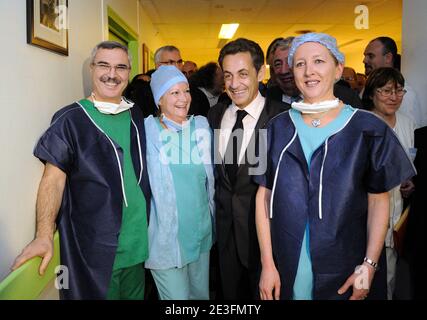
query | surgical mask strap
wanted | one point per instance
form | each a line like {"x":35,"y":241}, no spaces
{"x":315,"y":107}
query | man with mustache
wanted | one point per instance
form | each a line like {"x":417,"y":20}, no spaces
{"x":95,"y":188}
{"x":382,"y":52}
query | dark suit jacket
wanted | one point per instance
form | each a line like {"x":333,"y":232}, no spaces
{"x":276,"y":94}
{"x":415,"y":247}
{"x":235,"y":206}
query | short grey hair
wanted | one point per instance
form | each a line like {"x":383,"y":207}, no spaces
{"x":110,"y":45}
{"x":282,"y":44}
{"x":159,"y":52}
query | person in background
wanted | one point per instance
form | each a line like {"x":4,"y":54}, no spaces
{"x":189,"y":68}
{"x":210,"y":80}
{"x":285,"y":90}
{"x":180,"y":233}
{"x":382,"y":52}
{"x":269,"y":58}
{"x":349,"y":75}
{"x":322,"y":204}
{"x":383,"y":94}
{"x":95,"y":187}
{"x":137,"y":92}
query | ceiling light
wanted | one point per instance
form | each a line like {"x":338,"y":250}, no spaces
{"x":228,"y":30}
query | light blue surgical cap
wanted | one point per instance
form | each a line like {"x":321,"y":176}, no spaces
{"x":163,"y":79}
{"x":322,"y":38}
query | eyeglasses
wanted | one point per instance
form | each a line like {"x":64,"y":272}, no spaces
{"x":121,"y":69}
{"x":388,"y":92}
{"x":172,"y":62}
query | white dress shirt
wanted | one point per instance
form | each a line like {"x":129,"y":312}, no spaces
{"x":254,"y":110}
{"x":288,"y":99}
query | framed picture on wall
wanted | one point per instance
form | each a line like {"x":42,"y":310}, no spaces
{"x":47,"y":24}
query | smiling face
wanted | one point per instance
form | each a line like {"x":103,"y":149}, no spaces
{"x":315,"y":72}
{"x":283,"y":74}
{"x":174,"y":104}
{"x":387,"y":106}
{"x":108,"y":85}
{"x":241,"y":78}
{"x":375,"y":57}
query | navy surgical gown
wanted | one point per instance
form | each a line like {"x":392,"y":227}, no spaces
{"x":364,"y":156}
{"x":90,"y":216}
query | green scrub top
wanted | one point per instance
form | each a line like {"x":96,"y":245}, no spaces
{"x":190,"y":185}
{"x":133,"y":239}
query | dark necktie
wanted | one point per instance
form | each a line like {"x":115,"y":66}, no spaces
{"x":234,"y":145}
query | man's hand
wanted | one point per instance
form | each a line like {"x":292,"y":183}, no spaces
{"x":360,"y":280}
{"x":39,"y":247}
{"x":49,"y":199}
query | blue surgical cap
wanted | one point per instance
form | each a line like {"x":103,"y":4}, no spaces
{"x":322,"y":38}
{"x":163,"y":79}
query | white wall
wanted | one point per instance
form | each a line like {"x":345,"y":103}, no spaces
{"x":414,"y":47}
{"x":133,"y":13}
{"x":148,"y":34}
{"x":127,"y":10}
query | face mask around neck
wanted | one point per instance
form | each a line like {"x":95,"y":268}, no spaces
{"x":316,"y":107}
{"x":112,"y":108}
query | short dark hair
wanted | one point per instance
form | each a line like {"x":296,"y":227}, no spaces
{"x":377,"y":79}
{"x":243,"y":45}
{"x":389,"y":46}
{"x":205,"y":76}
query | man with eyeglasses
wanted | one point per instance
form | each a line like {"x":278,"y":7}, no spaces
{"x":170,"y":55}
{"x":95,"y":188}
{"x":382,"y":52}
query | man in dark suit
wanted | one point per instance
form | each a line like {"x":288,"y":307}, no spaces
{"x":242,"y":62}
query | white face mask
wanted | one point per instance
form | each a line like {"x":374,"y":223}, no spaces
{"x":112,"y":108}
{"x":315,"y":107}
